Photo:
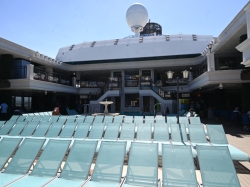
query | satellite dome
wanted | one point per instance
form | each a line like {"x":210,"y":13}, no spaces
{"x":137,"y":15}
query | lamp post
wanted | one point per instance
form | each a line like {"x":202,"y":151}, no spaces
{"x":170,"y":79}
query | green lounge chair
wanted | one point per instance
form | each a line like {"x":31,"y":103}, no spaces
{"x":98,"y":119}
{"x":128,"y":119}
{"x":197,"y":134}
{"x":54,"y":130}
{"x":7,"y":127}
{"x":138,"y":119}
{"x":112,"y":131}
{"x":178,"y":166}
{"x":21,"y":161}
{"x":62,"y":119}
{"x":183,"y":119}
{"x":71,"y":119}
{"x":216,"y":166}
{"x":16,"y":130}
{"x":218,"y":137}
{"x":161,"y":132}
{"x":144,"y":132}
{"x":179,"y":136}
{"x":53,"y":118}
{"x":96,"y":131}
{"x":68,"y":130}
{"x":127,"y":131}
{"x":118,"y":119}
{"x":76,"y":168}
{"x":109,"y":165}
{"x":29,"y":129}
{"x":7,"y":147}
{"x":142,"y":165}
{"x":14,"y":118}
{"x":149,"y":119}
{"x":42,"y":129}
{"x":45,"y":118}
{"x":160,"y":119}
{"x":47,"y":165}
{"x":194,"y":120}
{"x":37,"y":119}
{"x":108,"y":119}
{"x":171,"y":119}
{"x":21,"y":118}
{"x":80,"y":119}
{"x":29,"y":118}
{"x":82,"y":130}
{"x":89,"y":119}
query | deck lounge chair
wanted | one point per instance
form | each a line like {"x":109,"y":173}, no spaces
{"x":68,"y":130}
{"x":216,"y":166}
{"x":42,"y":129}
{"x":53,"y":118}
{"x":109,"y":165}
{"x":171,"y":119}
{"x":21,"y":161}
{"x":127,"y":131}
{"x":178,"y":166}
{"x":160,"y":119}
{"x":80,"y":119}
{"x":96,"y":131}
{"x":45,"y":118}
{"x":14,"y":118}
{"x":197,"y":134}
{"x":54,"y":129}
{"x":142,"y":165}
{"x":108,"y":119}
{"x":128,"y":119}
{"x":47,"y":165}
{"x":62,"y":119}
{"x":29,"y":128}
{"x":218,"y":137}
{"x":29,"y":118}
{"x":194,"y":120}
{"x":82,"y":130}
{"x":149,"y":119}
{"x":1,"y":123}
{"x":183,"y":119}
{"x":7,"y":127}
{"x":76,"y":168}
{"x":71,"y":119}
{"x":161,"y":132}
{"x":112,"y":131}
{"x":89,"y":119}
{"x":37,"y":118}
{"x":98,"y":119}
{"x":16,"y":130}
{"x":7,"y":147}
{"x":118,"y":119}
{"x":144,"y":132}
{"x":138,"y":119}
{"x":21,"y":118}
{"x":179,"y":136}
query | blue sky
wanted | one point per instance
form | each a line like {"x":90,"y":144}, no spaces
{"x":47,"y":25}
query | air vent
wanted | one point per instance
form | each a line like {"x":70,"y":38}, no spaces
{"x":141,"y":39}
{"x":194,"y":37}
{"x":93,"y":43}
{"x":116,"y":41}
{"x":167,"y":38}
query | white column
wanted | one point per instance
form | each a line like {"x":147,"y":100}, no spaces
{"x":247,"y":10}
{"x":30,"y":71}
{"x":210,"y":61}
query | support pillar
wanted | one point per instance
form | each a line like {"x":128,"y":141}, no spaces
{"x":30,"y":71}
{"x":123,"y":93}
{"x":210,"y":61}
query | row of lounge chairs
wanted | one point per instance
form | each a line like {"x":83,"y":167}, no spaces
{"x":33,"y":162}
{"x":106,"y":119}
{"x":178,"y":134}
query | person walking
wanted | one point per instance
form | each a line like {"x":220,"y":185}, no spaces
{"x":4,"y":111}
